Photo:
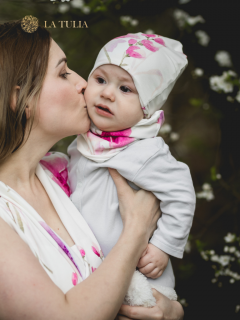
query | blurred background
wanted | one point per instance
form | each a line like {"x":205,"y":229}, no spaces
{"x":202,"y":125}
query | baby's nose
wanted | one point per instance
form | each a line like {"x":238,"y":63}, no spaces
{"x":108,"y":94}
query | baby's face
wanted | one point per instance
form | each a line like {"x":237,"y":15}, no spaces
{"x":112,"y":99}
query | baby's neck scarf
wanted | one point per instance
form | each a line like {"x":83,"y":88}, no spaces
{"x":100,"y":146}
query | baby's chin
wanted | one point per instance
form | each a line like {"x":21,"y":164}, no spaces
{"x":106,"y":126}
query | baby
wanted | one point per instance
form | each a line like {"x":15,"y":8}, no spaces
{"x":130,"y":81}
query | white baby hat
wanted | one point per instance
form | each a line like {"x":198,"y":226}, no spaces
{"x":154,"y":62}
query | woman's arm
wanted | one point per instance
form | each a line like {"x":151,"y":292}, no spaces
{"x":26,"y":291}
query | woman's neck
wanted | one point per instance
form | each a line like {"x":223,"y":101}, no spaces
{"x":18,"y":170}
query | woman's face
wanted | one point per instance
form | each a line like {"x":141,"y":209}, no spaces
{"x":61,"y":108}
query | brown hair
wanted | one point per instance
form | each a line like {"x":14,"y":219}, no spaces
{"x":23,"y":62}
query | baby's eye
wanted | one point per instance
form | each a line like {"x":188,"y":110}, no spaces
{"x":125,"y":89}
{"x":100,"y":80}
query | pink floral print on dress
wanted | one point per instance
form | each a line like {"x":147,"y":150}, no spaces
{"x":74,"y":278}
{"x":98,"y":253}
{"x":82,"y":253}
{"x":58,"y":167}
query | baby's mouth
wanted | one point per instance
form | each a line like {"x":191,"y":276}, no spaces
{"x":104,"y":108}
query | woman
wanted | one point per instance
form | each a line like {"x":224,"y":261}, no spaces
{"x":39,"y":106}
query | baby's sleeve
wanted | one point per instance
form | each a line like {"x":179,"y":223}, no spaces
{"x":171,"y":182}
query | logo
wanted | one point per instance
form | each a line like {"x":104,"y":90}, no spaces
{"x":29,"y":24}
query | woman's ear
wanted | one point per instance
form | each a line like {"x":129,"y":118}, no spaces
{"x":28,"y":113}
{"x":14,"y":98}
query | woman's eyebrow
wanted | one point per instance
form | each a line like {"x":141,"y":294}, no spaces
{"x":60,"y":61}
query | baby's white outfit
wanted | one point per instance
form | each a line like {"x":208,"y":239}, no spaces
{"x":155,"y":63}
{"x":146,"y":164}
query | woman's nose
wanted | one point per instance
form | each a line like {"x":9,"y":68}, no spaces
{"x":81,"y":85}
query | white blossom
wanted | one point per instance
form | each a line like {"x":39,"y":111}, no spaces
{"x":218,"y":176}
{"x":205,"y":106}
{"x":194,"y":20}
{"x":221,"y":83}
{"x":214,"y":280}
{"x":63,"y":7}
{"x":166,"y":128}
{"x":207,"y":192}
{"x":206,"y":187}
{"x":223,"y":58}
{"x":238,"y":97}
{"x":134,"y":22}
{"x":183,"y":302}
{"x":230,"y":237}
{"x":232,"y":249}
{"x":214,"y":258}
{"x":237,"y":254}
{"x":183,"y":17}
{"x":79,"y":4}
{"x":237,"y":308}
{"x":230,"y":99}
{"x":198,"y":72}
{"x":232,"y":280}
{"x":125,"y":18}
{"x":204,"y":256}
{"x":180,"y":17}
{"x":86,"y":9}
{"x":174,"y":136}
{"x":149,"y":31}
{"x":225,"y":249}
{"x":187,"y":248}
{"x":224,"y":260}
{"x":203,"y":37}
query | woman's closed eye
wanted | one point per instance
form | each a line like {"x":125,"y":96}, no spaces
{"x":64,"y":75}
{"x":125,"y":89}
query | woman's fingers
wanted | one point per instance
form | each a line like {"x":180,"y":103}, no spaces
{"x":121,"y":184}
{"x":141,"y":313}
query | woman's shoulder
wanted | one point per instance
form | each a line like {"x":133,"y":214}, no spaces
{"x":56,"y":163}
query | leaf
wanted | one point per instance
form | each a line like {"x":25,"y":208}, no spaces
{"x":43,"y":263}
{"x":213,"y":173}
{"x":20,"y":223}
{"x":196,"y":102}
{"x":10,"y":211}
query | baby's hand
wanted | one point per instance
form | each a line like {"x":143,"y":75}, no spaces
{"x":153,"y":262}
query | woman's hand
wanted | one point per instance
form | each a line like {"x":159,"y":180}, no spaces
{"x":138,"y":208}
{"x":164,"y":310}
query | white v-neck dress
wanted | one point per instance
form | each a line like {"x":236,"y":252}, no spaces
{"x":66,"y":266}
